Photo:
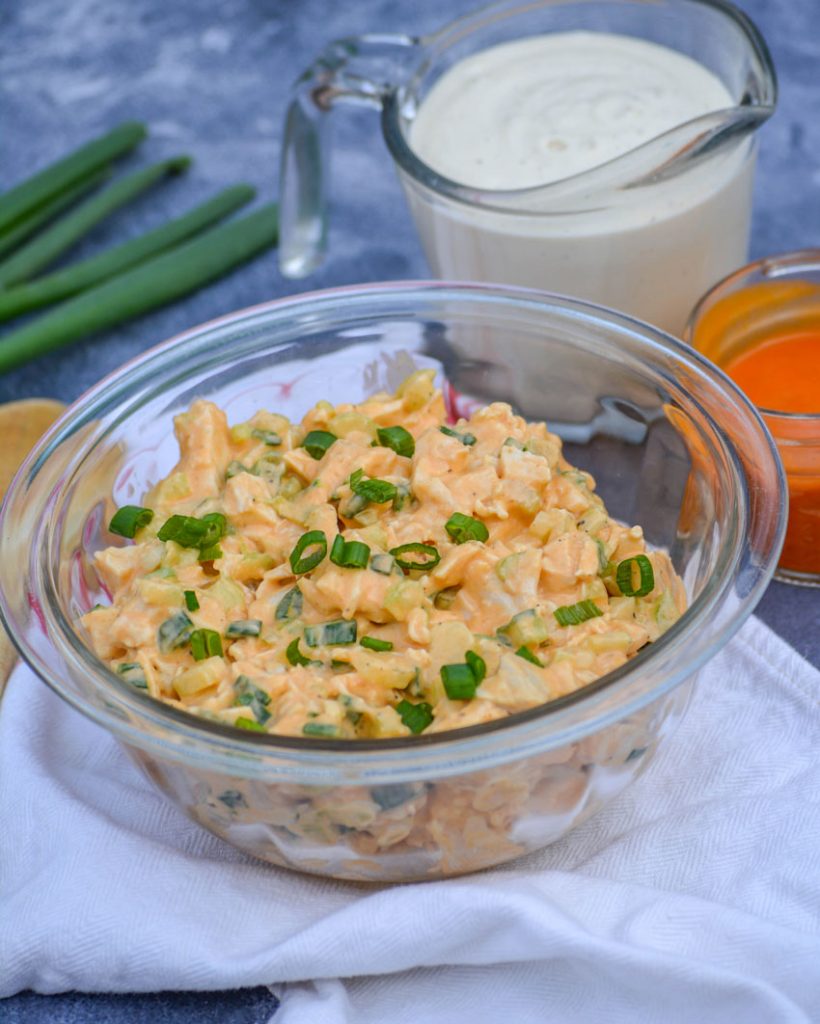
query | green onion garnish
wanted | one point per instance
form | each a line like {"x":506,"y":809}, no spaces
{"x":465,"y":438}
{"x":191,"y":601}
{"x":403,"y":496}
{"x":244,"y":627}
{"x":249,"y":695}
{"x":314,"y":540}
{"x":477,"y":665}
{"x":527,"y":655}
{"x":430,"y":556}
{"x":382,"y":563}
{"x":461,"y":528}
{"x":373,"y":643}
{"x":290,"y":606}
{"x":268,"y":436}
{"x":415,"y":716}
{"x":268,"y":467}
{"x":132,"y":672}
{"x":317,"y":442}
{"x":205,"y":643}
{"x":235,"y":468}
{"x":331,"y":634}
{"x":295,"y":656}
{"x":445,"y":598}
{"x":174,"y":632}
{"x":249,"y":724}
{"x":190,"y":532}
{"x":377,"y":491}
{"x":350,"y":554}
{"x":625,"y":576}
{"x":397,"y":438}
{"x":575,"y":614}
{"x":459,"y":681}
{"x":319,"y":729}
{"x":127,"y":520}
{"x":208,"y":554}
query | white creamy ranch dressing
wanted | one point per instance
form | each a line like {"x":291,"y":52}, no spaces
{"x":537,"y":110}
{"x":547,"y":108}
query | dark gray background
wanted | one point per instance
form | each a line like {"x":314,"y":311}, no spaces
{"x":211,"y":79}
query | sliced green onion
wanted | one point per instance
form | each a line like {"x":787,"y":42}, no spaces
{"x":268,"y":436}
{"x":313,"y":541}
{"x":319,"y":729}
{"x":575,"y":614}
{"x":353,"y":506}
{"x":290,"y":606}
{"x":430,"y":558}
{"x":466,"y":438}
{"x":235,"y":467}
{"x":269,"y":467}
{"x":625,"y":576}
{"x":444,"y":599}
{"x":295,"y":656}
{"x":331,"y":634}
{"x":459,"y":681}
{"x":249,"y":724}
{"x":403,"y":496}
{"x":382,"y":563}
{"x":249,"y":695}
{"x":191,"y":601}
{"x":174,"y":632}
{"x":415,"y":716}
{"x":350,"y":554}
{"x":317,"y":442}
{"x":127,"y":520}
{"x":477,"y":665}
{"x":377,"y":491}
{"x":397,"y":438}
{"x":244,"y":627}
{"x":206,"y":643}
{"x":527,"y":655}
{"x":461,"y":528}
{"x":132,"y":672}
{"x":190,"y":532}
{"x":373,"y":643}
{"x":210,"y":553}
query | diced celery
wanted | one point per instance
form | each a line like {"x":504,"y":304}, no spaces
{"x":344,"y":423}
{"x":202,"y":676}
{"x":160,"y":593}
{"x":417,"y":389}
{"x":403,"y":597}
{"x":526,"y":629}
{"x":227,"y":593}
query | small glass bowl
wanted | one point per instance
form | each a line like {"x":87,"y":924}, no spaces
{"x":673,"y":445}
{"x":781,"y":296}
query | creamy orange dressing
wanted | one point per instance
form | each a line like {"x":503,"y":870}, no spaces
{"x":311,"y":616}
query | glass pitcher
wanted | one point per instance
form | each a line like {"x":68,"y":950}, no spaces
{"x":647,"y":232}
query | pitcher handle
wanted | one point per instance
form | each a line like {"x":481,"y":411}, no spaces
{"x":360,"y":70}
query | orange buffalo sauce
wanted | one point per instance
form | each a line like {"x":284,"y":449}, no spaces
{"x":782,"y":373}
{"x":766,"y":337}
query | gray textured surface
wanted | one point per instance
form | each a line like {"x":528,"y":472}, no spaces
{"x":210,"y":78}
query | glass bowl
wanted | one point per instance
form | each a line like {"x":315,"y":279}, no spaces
{"x":775,"y":298}
{"x":673,"y":445}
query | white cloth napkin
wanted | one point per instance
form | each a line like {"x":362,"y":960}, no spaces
{"x":694,"y":897}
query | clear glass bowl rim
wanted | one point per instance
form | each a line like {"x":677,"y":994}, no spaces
{"x":180,"y":736}
{"x":782,"y":265}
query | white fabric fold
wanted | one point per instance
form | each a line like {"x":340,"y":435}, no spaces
{"x":693,"y":897}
